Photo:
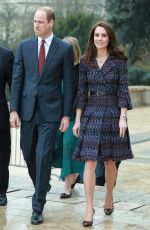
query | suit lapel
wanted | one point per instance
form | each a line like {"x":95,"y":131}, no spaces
{"x":34,"y":54}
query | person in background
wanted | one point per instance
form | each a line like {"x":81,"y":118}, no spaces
{"x":41,"y":63}
{"x":6,"y":69}
{"x":101,"y":104}
{"x":70,"y":168}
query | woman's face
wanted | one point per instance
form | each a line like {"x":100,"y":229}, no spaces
{"x":101,"y":39}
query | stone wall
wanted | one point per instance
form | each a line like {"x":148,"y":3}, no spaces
{"x":140,"y":95}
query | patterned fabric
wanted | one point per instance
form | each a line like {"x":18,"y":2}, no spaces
{"x":99,"y":132}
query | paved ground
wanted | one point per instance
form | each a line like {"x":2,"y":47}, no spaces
{"x":131,"y":195}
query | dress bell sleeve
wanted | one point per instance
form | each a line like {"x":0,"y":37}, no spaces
{"x":82,"y":93}
{"x":124,"y":100}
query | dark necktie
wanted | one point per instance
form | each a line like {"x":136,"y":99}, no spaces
{"x":41,"y":56}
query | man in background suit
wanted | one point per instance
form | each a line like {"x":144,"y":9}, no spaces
{"x":6,"y":68}
{"x":41,"y":64}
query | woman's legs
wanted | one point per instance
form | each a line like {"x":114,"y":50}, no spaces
{"x":89,"y":185}
{"x":110,"y":177}
{"x":69,"y":180}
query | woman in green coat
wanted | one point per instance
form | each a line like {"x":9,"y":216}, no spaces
{"x":71,"y":168}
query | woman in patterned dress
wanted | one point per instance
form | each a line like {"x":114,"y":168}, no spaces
{"x":101,"y":105}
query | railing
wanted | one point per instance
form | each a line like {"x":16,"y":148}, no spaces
{"x":17,"y":156}
{"x":16,"y":153}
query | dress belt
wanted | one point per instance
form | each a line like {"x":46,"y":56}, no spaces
{"x":99,"y":93}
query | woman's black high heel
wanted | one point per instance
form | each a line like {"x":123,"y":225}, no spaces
{"x":88,"y":223}
{"x":76,"y":181}
{"x":109,"y":211}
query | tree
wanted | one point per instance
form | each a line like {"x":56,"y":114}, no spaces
{"x":7,"y":14}
{"x":131,"y":21}
{"x":12,"y":27}
{"x":74,"y":19}
{"x":77,"y":24}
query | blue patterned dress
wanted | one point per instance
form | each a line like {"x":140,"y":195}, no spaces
{"x":102,"y":92}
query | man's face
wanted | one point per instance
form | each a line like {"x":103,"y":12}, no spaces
{"x":42,"y":27}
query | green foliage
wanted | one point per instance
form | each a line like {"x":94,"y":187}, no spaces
{"x":146,"y":79}
{"x":77,"y":24}
{"x":138,"y":76}
{"x":144,"y":66}
{"x":131,"y":21}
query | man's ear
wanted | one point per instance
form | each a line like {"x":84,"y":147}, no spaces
{"x":51,"y":22}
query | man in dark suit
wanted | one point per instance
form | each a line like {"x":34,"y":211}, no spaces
{"x":6,"y":68}
{"x":40,"y":66}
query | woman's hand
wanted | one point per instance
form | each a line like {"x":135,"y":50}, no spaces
{"x":76,"y":129}
{"x":122,"y":126}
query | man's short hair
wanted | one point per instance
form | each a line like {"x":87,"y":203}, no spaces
{"x":49,"y":12}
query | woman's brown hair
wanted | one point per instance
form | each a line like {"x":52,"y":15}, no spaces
{"x":113,"y":49}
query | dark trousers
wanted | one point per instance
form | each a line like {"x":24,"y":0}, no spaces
{"x":37,"y":138}
{"x":4,"y":159}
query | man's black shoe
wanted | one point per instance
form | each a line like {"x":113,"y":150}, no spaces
{"x":36,"y":218}
{"x":3,"y":199}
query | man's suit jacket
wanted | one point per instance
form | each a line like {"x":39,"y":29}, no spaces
{"x":6,"y":69}
{"x":27,"y":84}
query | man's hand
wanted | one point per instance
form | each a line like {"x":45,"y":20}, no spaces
{"x":14,"y":120}
{"x":64,"y":124}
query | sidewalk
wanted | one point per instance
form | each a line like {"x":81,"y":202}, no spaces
{"x":131,"y":195}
